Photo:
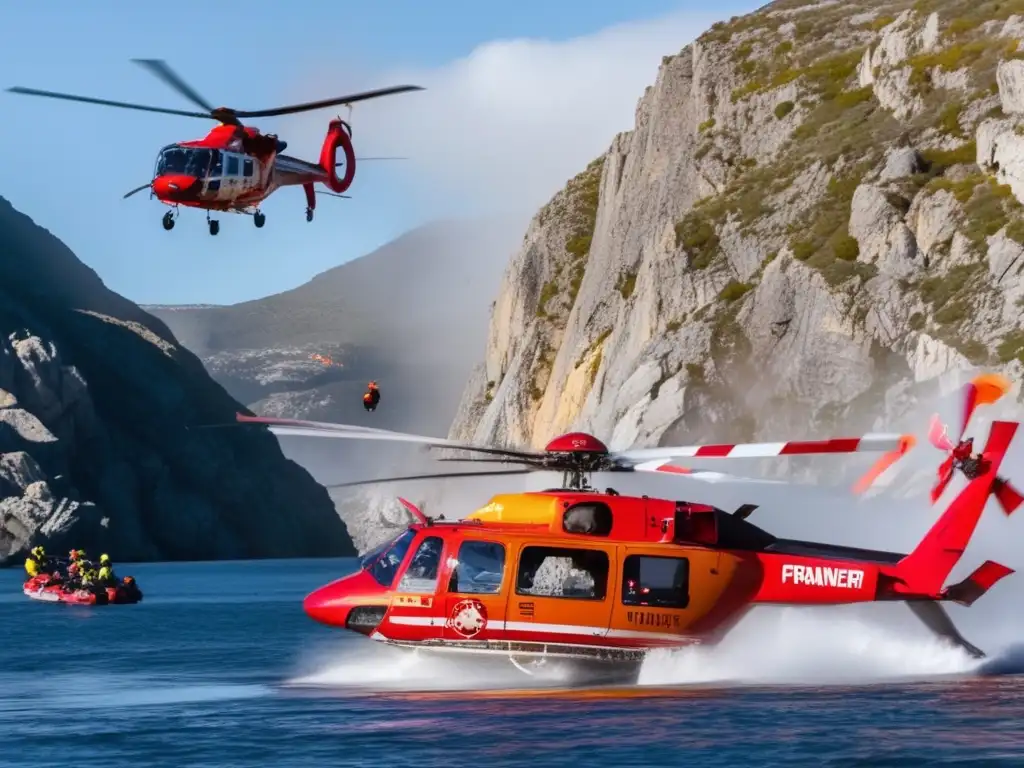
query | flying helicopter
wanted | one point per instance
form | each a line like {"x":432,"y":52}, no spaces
{"x":596,"y":580}
{"x":235,"y":167}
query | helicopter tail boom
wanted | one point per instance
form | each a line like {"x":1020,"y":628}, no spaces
{"x":923,"y":571}
{"x":807,"y":573}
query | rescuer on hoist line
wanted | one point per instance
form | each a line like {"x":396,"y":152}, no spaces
{"x":371,"y":397}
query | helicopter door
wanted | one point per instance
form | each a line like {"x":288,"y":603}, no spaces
{"x":477,"y":591}
{"x":562,"y":594}
{"x":250,"y":179}
{"x":653,"y":595}
{"x":232,"y":182}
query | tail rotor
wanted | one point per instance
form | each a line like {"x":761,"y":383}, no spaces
{"x":985,"y":389}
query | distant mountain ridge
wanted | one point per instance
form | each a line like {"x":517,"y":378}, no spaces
{"x":411,"y":315}
{"x":176,"y":307}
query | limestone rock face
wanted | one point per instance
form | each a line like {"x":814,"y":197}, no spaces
{"x":814,"y":222}
{"x":100,"y":445}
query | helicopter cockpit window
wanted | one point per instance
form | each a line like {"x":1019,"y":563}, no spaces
{"x":661,"y":582}
{"x":185,"y":161}
{"x":563,"y":572}
{"x":590,"y":518}
{"x":421,"y":575}
{"x":383,"y":562}
{"x":479,"y":569}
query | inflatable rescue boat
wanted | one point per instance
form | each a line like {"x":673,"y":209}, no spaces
{"x":125,"y":593}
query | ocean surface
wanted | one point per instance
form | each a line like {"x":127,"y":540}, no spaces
{"x":220,"y":667}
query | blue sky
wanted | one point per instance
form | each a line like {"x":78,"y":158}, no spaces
{"x":67,"y":165}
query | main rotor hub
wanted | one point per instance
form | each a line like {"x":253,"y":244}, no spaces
{"x":577,"y":442}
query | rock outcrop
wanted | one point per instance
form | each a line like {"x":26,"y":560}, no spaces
{"x":101,"y":444}
{"x":816,"y":219}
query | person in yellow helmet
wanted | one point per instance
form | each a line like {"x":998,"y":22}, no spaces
{"x":35,"y":563}
{"x":105,"y":577}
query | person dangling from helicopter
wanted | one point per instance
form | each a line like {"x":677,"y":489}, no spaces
{"x":371,"y":397}
{"x":968,"y":462}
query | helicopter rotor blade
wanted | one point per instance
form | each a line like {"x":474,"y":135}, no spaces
{"x":147,"y":185}
{"x":535,"y":463}
{"x":105,"y":102}
{"x":300,"y":428}
{"x":439,"y":476}
{"x":350,"y":99}
{"x":160,"y":69}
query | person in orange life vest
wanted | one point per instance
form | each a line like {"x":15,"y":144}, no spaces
{"x":371,"y":397}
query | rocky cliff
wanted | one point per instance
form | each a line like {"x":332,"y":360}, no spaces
{"x":816,"y":219}
{"x":98,"y":401}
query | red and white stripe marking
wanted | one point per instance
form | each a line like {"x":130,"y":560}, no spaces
{"x":867,"y":443}
{"x":535,"y":628}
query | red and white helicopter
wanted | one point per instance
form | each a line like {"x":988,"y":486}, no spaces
{"x":234,"y":167}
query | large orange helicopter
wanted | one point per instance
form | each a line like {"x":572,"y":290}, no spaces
{"x":234,"y":167}
{"x":596,"y":579}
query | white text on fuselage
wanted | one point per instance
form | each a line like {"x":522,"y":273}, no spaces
{"x":822,"y":576}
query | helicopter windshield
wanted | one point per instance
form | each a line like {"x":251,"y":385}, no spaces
{"x":186,"y":161}
{"x":383,"y":562}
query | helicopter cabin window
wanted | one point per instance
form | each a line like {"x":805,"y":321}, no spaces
{"x":383,"y":562}
{"x":247,"y":167}
{"x":232,"y":166}
{"x":660,"y":582}
{"x":590,"y":518}
{"x":421,"y":575}
{"x":563,"y":572}
{"x":217,"y":166}
{"x":479,"y":569}
{"x":183,"y":161}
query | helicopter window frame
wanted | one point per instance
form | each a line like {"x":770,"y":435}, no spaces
{"x":485,"y":587}
{"x":632,"y":569}
{"x":381,"y":564}
{"x":423,"y":585}
{"x":600,"y":518}
{"x":248,"y":168}
{"x":232,"y":166}
{"x":541,"y":552}
{"x":216,"y":170}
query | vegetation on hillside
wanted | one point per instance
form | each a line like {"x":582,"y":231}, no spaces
{"x":841,"y":125}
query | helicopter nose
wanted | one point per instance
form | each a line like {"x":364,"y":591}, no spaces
{"x":173,"y":185}
{"x":329,"y":604}
{"x":332,"y":603}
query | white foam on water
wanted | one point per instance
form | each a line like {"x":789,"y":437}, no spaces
{"x":380,"y":667}
{"x":803,"y":647}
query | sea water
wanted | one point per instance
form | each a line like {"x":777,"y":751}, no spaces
{"x":218,"y":666}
